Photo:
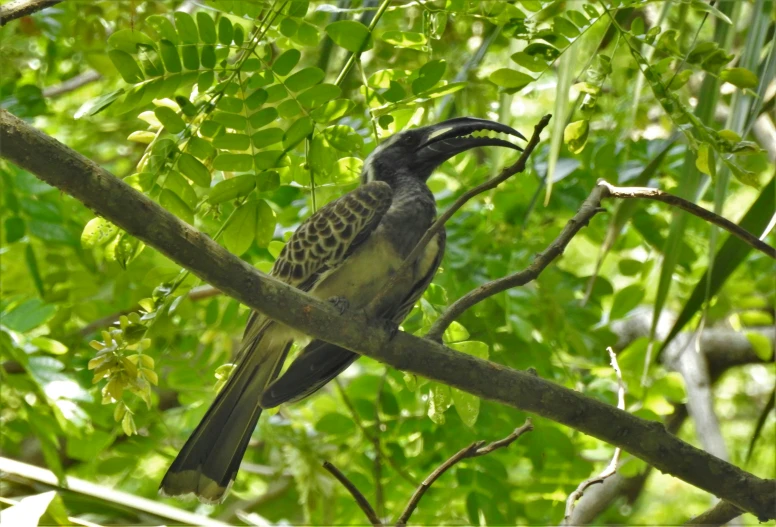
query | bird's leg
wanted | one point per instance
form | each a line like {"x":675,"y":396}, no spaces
{"x":339,"y":302}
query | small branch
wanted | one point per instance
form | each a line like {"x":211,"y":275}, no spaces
{"x":20,"y":8}
{"x":439,"y":224}
{"x":72,"y":84}
{"x":696,"y":210}
{"x":474,"y":450}
{"x":360,"y":499}
{"x":719,"y":514}
{"x":589,"y":208}
{"x":611,"y":469}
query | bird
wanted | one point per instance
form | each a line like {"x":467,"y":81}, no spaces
{"x":345,"y":253}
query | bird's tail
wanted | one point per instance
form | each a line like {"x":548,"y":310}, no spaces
{"x":208,"y":463}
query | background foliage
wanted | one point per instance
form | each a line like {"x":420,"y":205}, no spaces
{"x":242,"y":117}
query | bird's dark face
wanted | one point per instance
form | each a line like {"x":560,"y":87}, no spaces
{"x":418,"y":152}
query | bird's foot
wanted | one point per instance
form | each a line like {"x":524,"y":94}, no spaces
{"x":340,"y":302}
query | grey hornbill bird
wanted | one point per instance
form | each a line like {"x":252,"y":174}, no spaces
{"x":345,"y":252}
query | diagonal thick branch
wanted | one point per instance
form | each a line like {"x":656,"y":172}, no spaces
{"x":113,"y":199}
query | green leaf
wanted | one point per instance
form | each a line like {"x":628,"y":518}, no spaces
{"x":702,"y":161}
{"x":318,"y":95}
{"x":208,"y":56}
{"x":170,"y":119}
{"x":233,"y":162}
{"x":97,"y":232}
{"x":28,"y":315}
{"x":428,"y":75}
{"x":126,"y":66}
{"x":170,"y":56}
{"x":265,"y":224}
{"x":438,"y":402}
{"x":332,"y":110}
{"x":305,"y":78}
{"x":267,"y":137}
{"x":575,"y":135}
{"x":190,"y":56}
{"x":256,"y":99}
{"x":471,"y":347}
{"x":186,"y":27}
{"x":626,"y":300}
{"x":14,"y":229}
{"x":226,"y":31}
{"x":286,"y":62}
{"x":194,"y":170}
{"x":207,"y":28}
{"x":404,"y":39}
{"x":163,"y":27}
{"x":49,"y":345}
{"x":739,"y":77}
{"x":128,"y":40}
{"x":232,"y":188}
{"x":181,"y":186}
{"x":509,"y":78}
{"x":241,"y":231}
{"x":343,"y":138}
{"x":466,"y":405}
{"x":231,"y":120}
{"x":263,"y":118}
{"x":170,"y":201}
{"x":200,"y":148}
{"x":349,"y":34}
{"x":32,"y":267}
{"x":232,"y":142}
{"x":300,"y":129}
{"x":761,"y":345}
{"x":533,"y":63}
{"x":335,"y":424}
{"x":238,"y":35}
{"x":230,"y":104}
{"x":710,"y":8}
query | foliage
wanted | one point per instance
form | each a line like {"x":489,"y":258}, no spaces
{"x":243,"y":117}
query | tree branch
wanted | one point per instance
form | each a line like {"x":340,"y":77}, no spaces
{"x":72,"y":84}
{"x":19,"y":8}
{"x":719,"y":514}
{"x":590,"y":207}
{"x":474,"y":450}
{"x":688,"y":206}
{"x":611,"y":469}
{"x":141,"y":217}
{"x":360,"y":499}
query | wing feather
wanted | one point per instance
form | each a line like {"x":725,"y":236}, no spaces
{"x":331,"y":234}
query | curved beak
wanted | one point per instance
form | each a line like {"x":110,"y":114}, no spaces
{"x":451,"y":137}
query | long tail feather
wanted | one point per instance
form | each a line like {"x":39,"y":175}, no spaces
{"x":208,"y":463}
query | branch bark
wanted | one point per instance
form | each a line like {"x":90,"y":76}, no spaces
{"x":19,"y":8}
{"x":110,"y":197}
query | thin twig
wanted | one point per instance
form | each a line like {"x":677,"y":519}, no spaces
{"x":611,"y":469}
{"x":589,"y":208}
{"x":72,"y":84}
{"x":719,"y":514}
{"x":360,"y":499}
{"x":20,"y":8}
{"x":476,"y":449}
{"x":688,"y":206}
{"x":438,"y":225}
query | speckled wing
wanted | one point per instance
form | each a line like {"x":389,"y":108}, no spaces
{"x":331,"y":234}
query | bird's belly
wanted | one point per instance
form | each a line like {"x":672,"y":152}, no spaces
{"x":365,"y":273}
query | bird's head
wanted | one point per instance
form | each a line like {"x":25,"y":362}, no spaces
{"x":419,"y":151}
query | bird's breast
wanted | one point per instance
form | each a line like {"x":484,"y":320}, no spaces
{"x":366,"y":272}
